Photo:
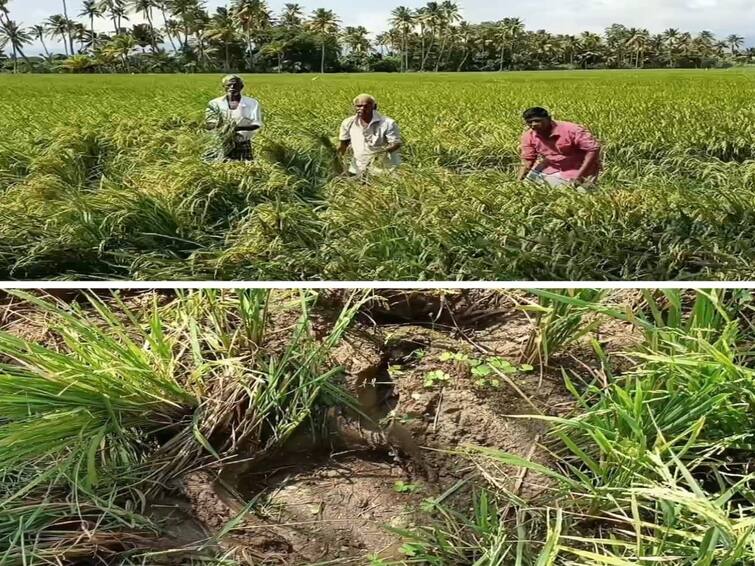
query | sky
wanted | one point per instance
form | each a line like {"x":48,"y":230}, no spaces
{"x":723,"y":17}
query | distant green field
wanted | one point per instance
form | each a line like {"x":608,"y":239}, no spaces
{"x":103,"y":176}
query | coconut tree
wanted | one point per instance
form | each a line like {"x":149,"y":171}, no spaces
{"x":356,"y":39}
{"x":145,"y":8}
{"x":91,"y":10}
{"x":117,"y":11}
{"x":671,"y":40}
{"x":60,"y":27}
{"x":57,"y":27}
{"x":735,"y":42}
{"x":222,"y":29}
{"x":276,"y":49}
{"x":145,"y":37}
{"x":450,"y":15}
{"x":252,"y":17}
{"x":4,"y":14}
{"x":80,"y":34}
{"x":465,"y":36}
{"x":14,"y":35}
{"x":433,"y":21}
{"x":190,"y":14}
{"x":173,"y":30}
{"x":38,"y":32}
{"x":70,"y":27}
{"x":590,"y":45}
{"x":124,"y":44}
{"x":385,"y":41}
{"x":162,"y":5}
{"x":292,"y":17}
{"x":569,"y":46}
{"x":199,"y":21}
{"x":324,"y":23}
{"x":509,"y":31}
{"x":402,"y":20}
{"x":639,"y":42}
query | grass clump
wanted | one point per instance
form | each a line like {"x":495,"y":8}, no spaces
{"x":654,"y":466}
{"x":126,"y":400}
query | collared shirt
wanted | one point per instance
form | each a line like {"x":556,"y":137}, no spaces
{"x":367,"y":141}
{"x":247,"y":113}
{"x":565,"y":149}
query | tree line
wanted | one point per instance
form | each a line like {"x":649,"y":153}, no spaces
{"x":246,"y":36}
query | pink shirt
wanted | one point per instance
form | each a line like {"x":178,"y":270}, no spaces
{"x":565,"y":149}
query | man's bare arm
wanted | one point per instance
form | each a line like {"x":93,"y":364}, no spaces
{"x":344,"y":146}
{"x":527,"y":165}
{"x":591,"y":159}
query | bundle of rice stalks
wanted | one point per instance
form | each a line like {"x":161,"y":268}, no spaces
{"x":222,"y":140}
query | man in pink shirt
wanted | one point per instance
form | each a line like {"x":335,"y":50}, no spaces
{"x":558,"y":153}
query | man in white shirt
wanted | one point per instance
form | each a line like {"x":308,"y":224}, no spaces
{"x":375,"y":139}
{"x":242,"y":111}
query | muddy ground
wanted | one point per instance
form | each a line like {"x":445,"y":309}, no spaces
{"x":412,"y":360}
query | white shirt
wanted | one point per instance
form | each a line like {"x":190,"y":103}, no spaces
{"x":366,"y":141}
{"x":247,"y":113}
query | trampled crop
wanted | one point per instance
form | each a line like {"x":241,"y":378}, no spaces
{"x":282,"y":427}
{"x":105,"y":176}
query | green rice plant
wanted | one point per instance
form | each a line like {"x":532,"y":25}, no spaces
{"x":223,"y":139}
{"x":490,"y":535}
{"x":674,"y":519}
{"x":117,"y":196}
{"x":130,"y":400}
{"x":559,"y":322}
{"x":653,"y":466}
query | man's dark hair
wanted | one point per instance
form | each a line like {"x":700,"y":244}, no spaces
{"x":535,"y":112}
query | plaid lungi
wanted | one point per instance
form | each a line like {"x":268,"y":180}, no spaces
{"x":242,"y":151}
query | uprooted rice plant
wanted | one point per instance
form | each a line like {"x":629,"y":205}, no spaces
{"x":109,"y":177}
{"x":436,"y":428}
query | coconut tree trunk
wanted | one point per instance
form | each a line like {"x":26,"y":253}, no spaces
{"x":422,"y":52}
{"x":503,"y":52}
{"x":47,"y":52}
{"x":442,"y":51}
{"x":227,"y":58}
{"x":404,"y":54}
{"x":25,"y":58}
{"x":70,"y":35}
{"x":91,"y":30}
{"x":250,"y":47}
{"x":463,"y":60}
{"x":15,"y":59}
{"x":167,"y":31}
{"x":427,"y":53}
{"x":280,"y":62}
{"x":322,"y":60}
{"x":152,"y":39}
